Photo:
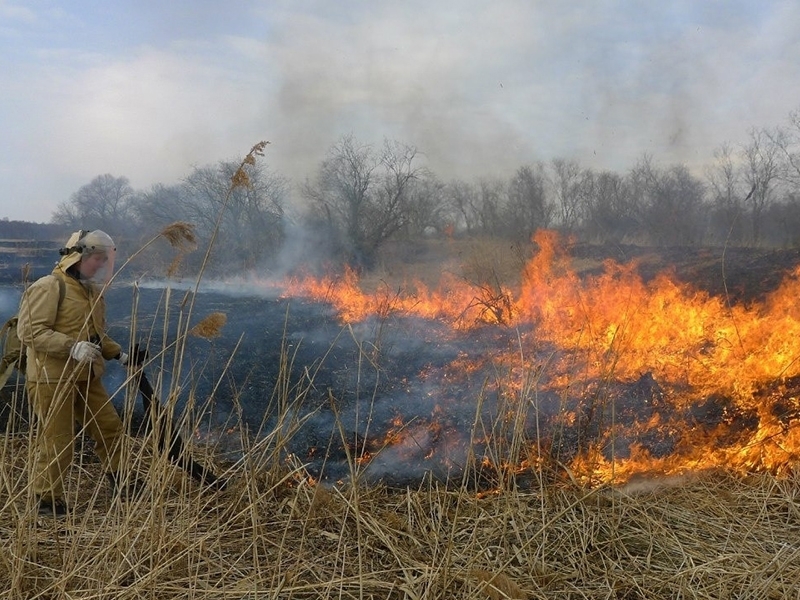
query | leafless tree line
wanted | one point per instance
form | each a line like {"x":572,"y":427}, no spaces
{"x":248,"y":220}
{"x":361,"y":195}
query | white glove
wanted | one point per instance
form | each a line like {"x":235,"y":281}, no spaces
{"x":123,"y":358}
{"x":85,"y":351}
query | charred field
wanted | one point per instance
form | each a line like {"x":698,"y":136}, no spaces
{"x":406,"y":377}
{"x":408,"y":394}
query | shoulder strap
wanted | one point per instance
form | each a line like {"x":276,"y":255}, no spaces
{"x":62,"y":288}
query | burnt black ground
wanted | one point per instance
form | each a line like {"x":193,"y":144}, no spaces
{"x":361,"y":381}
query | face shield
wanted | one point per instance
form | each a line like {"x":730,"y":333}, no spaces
{"x":93,"y":253}
{"x":97,"y":256}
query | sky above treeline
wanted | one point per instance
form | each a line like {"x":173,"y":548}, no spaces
{"x":148,"y":89}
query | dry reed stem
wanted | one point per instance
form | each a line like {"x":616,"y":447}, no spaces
{"x":497,"y":586}
{"x":716,"y":536}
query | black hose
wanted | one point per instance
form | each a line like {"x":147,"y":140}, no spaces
{"x":176,"y":449}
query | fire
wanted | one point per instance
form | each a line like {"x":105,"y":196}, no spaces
{"x":578,"y":337}
{"x":453,"y":301}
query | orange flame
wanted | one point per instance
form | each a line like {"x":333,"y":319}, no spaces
{"x":614,"y":326}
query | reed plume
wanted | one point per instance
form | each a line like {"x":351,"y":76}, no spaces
{"x":180,"y":236}
{"x":240,"y":177}
{"x":210,"y":326}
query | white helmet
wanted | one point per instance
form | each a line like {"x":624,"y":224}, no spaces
{"x":85,"y":243}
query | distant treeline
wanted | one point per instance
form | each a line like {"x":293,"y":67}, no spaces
{"x":362,"y":196}
{"x":23,"y":230}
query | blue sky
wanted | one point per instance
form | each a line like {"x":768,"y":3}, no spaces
{"x":150,"y":89}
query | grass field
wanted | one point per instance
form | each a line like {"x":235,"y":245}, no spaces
{"x":274,"y":532}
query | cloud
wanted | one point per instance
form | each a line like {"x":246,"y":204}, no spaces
{"x":15,"y":13}
{"x":479,"y":88}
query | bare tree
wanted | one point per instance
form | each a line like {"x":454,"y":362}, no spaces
{"x":251,"y":222}
{"x":250,"y":217}
{"x":462,"y":198}
{"x":761,"y":170}
{"x":427,"y":208}
{"x":611,"y":214}
{"x":643,"y":180}
{"x":363,"y":194}
{"x":685,"y":198}
{"x":490,"y":203}
{"x":163,"y":204}
{"x":726,"y":196}
{"x":782,"y":222}
{"x":787,"y":141}
{"x":566,"y":182}
{"x":671,"y":203}
{"x":105,"y":203}
{"x":527,"y":208}
{"x":786,"y":214}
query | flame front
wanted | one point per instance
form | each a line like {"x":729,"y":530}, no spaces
{"x":579,"y":337}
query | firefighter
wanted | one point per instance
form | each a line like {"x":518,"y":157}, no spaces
{"x":62,"y":326}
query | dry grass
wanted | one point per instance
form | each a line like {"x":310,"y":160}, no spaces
{"x":274,"y":534}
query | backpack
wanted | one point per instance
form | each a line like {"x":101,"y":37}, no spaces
{"x":12,"y":347}
{"x":14,"y":354}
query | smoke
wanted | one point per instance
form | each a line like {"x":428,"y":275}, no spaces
{"x":385,"y":76}
{"x":487,"y":88}
{"x":479,"y":88}
{"x":306,"y":248}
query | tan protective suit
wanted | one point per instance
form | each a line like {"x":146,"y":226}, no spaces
{"x":60,"y":390}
